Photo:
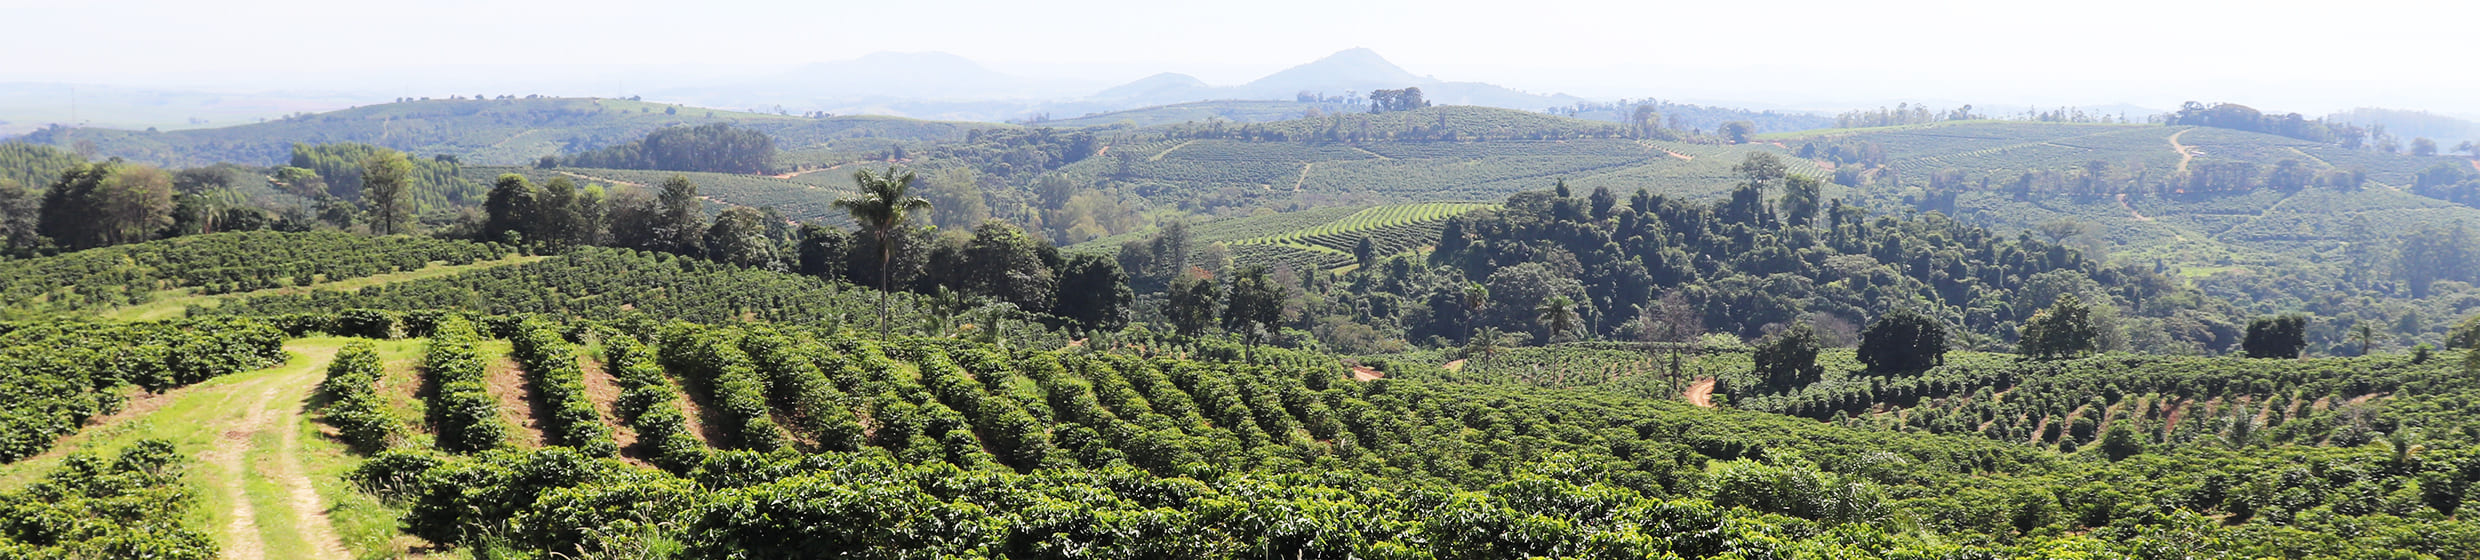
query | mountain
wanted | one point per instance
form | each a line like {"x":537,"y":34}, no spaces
{"x":1353,"y":69}
{"x":949,"y":87}
{"x":1167,"y":88}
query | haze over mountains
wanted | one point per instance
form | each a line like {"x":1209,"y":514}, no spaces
{"x":926,"y":85}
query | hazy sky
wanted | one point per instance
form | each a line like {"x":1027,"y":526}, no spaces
{"x":2304,"y":56}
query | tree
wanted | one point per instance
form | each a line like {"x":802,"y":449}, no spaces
{"x":1365,"y":252}
{"x":885,"y":202}
{"x":1093,"y":293}
{"x":560,"y":216}
{"x":2064,"y":330}
{"x":387,"y":190}
{"x":1788,"y":360}
{"x":2366,"y":334}
{"x":1802,"y":197}
{"x":2276,"y":337}
{"x":679,"y":224}
{"x":1256,"y":304}
{"x":1003,"y":263}
{"x":1191,"y":304}
{"x":1603,"y":202}
{"x":1391,"y":100}
{"x":105,"y":204}
{"x":1737,"y":132}
{"x":1670,"y":319}
{"x":1475,"y":296}
{"x":21,"y":212}
{"x":2423,"y":147}
{"x":1488,"y":342}
{"x":2121,"y":442}
{"x":509,"y":209}
{"x":739,"y":237}
{"x":1903,"y":341}
{"x":1556,"y":313}
{"x":823,"y":250}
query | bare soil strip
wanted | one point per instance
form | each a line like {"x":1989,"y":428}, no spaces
{"x":1701,"y":393}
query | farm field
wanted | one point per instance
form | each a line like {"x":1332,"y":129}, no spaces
{"x":1316,"y":238}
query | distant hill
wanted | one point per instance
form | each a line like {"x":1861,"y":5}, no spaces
{"x":1351,"y":71}
{"x":1239,"y":111}
{"x":2446,"y":130}
{"x":495,"y":131}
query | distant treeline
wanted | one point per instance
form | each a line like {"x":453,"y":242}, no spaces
{"x":718,"y":148}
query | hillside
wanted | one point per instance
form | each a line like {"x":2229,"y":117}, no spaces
{"x":1322,"y":238}
{"x":1453,"y":153}
{"x":572,"y":413}
{"x":495,"y":131}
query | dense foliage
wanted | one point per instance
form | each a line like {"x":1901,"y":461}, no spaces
{"x":56,"y":375}
{"x":219,"y":263}
{"x":716,"y":147}
{"x":350,"y":399}
{"x":970,"y":451}
{"x":131,"y":506}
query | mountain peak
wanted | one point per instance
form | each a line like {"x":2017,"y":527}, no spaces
{"x":1355,"y":68}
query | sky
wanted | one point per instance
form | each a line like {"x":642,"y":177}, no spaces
{"x":2310,"y":57}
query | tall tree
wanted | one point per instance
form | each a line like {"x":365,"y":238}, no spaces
{"x":1256,"y":304}
{"x":885,"y":203}
{"x":1191,"y":305}
{"x":2064,"y":330}
{"x":1093,"y":293}
{"x":104,"y":204}
{"x":21,"y":212}
{"x":387,"y":191}
{"x":739,"y":237}
{"x":823,"y":250}
{"x":679,"y":223}
{"x":1003,"y":263}
{"x":1802,"y":197}
{"x":1788,"y":359}
{"x":1901,"y":341}
{"x":1475,"y":296}
{"x":508,"y":211}
{"x":1557,"y":313}
{"x":2276,"y":337}
{"x":560,"y":215}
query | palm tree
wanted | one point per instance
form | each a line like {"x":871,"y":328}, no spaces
{"x":1475,"y":295}
{"x":886,"y":200}
{"x":1485,"y":343}
{"x":2367,"y":336}
{"x":1558,"y":313}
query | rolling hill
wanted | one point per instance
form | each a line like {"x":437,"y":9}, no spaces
{"x":492,"y":131}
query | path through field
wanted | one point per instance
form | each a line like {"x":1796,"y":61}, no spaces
{"x":2131,"y":209}
{"x":261,"y":447}
{"x":251,"y":441}
{"x":1701,"y":393}
{"x":2186,"y":154}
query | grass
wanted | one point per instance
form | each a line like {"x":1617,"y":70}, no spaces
{"x":167,"y":304}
